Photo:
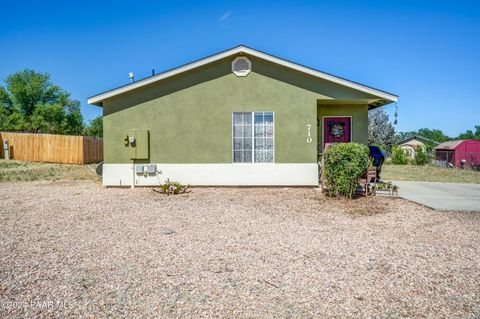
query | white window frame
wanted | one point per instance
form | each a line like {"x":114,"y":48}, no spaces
{"x":253,"y":138}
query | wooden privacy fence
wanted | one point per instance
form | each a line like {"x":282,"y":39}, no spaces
{"x":53,"y":148}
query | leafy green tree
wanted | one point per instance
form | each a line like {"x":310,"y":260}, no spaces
{"x":398,"y":156}
{"x":420,"y":156}
{"x":10,"y":118}
{"x":435,"y":135}
{"x":74,"y":118}
{"x":27,"y":89}
{"x":95,"y":127}
{"x":470,"y":135}
{"x":29,"y":101}
{"x":405,"y":135}
{"x":49,"y":118}
{"x":380,"y":130}
{"x":13,"y":122}
{"x":5,"y":102}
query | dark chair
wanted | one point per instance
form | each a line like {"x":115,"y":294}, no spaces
{"x":370,"y":176}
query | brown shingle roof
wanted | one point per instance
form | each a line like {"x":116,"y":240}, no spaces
{"x":450,"y":145}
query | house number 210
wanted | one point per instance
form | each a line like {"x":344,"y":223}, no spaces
{"x":309,"y":133}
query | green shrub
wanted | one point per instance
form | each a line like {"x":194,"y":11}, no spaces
{"x":344,"y":164}
{"x":421,"y":156}
{"x":398,"y":156}
{"x":387,"y":186}
{"x":172,"y":188}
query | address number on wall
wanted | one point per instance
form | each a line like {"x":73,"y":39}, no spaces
{"x":309,"y":133}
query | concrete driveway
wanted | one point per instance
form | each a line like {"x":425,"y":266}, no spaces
{"x":442,"y":196}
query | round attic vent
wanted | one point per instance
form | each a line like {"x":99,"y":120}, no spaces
{"x":241,"y":66}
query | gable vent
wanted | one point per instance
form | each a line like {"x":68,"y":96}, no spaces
{"x":241,"y":66}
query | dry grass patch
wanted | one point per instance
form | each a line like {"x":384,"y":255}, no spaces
{"x":429,"y":173}
{"x":12,"y":170}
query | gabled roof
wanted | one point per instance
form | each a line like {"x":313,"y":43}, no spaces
{"x":241,"y":49}
{"x":417,"y":137}
{"x":450,"y":145}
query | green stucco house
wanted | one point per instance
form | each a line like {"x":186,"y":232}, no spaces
{"x":239,"y":117}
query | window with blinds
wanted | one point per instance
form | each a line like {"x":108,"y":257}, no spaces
{"x":253,"y":137}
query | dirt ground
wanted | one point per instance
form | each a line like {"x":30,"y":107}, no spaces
{"x":74,"y":249}
{"x":14,"y":171}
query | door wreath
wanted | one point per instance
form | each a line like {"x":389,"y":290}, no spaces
{"x":336,"y":129}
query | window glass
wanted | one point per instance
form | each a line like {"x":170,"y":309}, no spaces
{"x":263,"y":137}
{"x":242,"y":137}
{"x":261,"y":144}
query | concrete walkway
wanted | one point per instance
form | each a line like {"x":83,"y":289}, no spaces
{"x":442,"y":196}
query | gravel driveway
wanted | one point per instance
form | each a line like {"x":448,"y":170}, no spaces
{"x":75,"y":249}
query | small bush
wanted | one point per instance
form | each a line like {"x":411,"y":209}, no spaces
{"x":398,"y":156}
{"x":172,"y":188}
{"x":421,"y":156}
{"x":344,"y":164}
{"x":387,"y":186}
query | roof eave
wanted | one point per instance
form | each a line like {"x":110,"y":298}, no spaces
{"x":383,"y":96}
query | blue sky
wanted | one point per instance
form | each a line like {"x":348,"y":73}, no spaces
{"x":427,"y":52}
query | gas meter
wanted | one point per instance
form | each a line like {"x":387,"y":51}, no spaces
{"x":131,"y":139}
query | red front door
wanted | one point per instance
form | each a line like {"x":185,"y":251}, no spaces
{"x":337,"y":129}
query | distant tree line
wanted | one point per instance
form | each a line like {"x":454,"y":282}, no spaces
{"x":381,"y":132}
{"x":30,"y":102}
{"x":438,"y":136}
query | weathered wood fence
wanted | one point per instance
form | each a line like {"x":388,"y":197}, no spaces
{"x":53,"y":148}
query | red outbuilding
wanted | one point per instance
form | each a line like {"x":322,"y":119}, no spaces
{"x":464,"y":153}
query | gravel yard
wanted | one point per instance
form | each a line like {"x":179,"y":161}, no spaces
{"x":72,"y":248}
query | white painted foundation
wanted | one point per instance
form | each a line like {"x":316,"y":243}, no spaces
{"x":216,"y":175}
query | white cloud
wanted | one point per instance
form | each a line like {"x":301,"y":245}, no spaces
{"x":225,"y":15}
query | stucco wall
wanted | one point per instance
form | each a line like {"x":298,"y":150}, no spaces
{"x":409,"y":150}
{"x":413,"y":143}
{"x":190,"y":116}
{"x":411,"y":147}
